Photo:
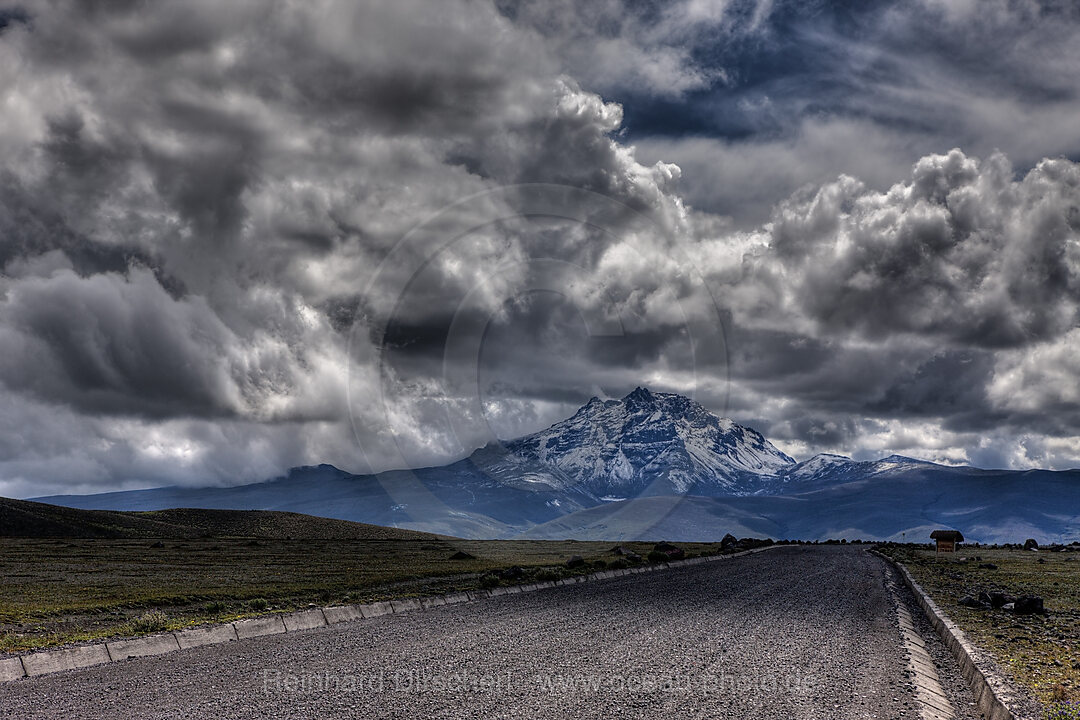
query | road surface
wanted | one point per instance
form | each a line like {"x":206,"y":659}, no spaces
{"x":800,"y":632}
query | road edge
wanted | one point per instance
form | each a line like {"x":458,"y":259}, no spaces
{"x":934,"y":703}
{"x":47,"y":662}
{"x":992,"y":695}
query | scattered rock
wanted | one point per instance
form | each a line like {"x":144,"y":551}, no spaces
{"x":1029,"y":605}
{"x":575,"y":561}
{"x":669,"y":551}
{"x":618,"y":550}
{"x":462,"y":555}
{"x":999,"y":599}
{"x":1031,"y":544}
{"x":987,"y":566}
{"x":158,"y":544}
{"x":973,"y":602}
{"x":633,"y":557}
{"x":1042,"y":561}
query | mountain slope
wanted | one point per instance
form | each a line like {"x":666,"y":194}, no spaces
{"x":988,"y":506}
{"x":21,"y":518}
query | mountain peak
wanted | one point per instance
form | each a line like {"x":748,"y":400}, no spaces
{"x":651,"y":443}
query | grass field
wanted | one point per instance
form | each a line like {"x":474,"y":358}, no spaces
{"x":58,"y":591}
{"x":1042,"y":652}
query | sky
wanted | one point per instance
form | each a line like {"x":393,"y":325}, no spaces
{"x":241,"y":237}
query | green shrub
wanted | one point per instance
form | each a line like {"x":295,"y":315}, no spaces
{"x":215,"y":608}
{"x":619,"y":564}
{"x":489,"y":580}
{"x":656,"y":556}
{"x":548,"y":575}
{"x":8,"y":642}
{"x":258,"y":604}
{"x":151,"y":621}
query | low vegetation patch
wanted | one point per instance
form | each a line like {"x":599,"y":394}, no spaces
{"x":59,"y":591}
{"x":1040,"y":650}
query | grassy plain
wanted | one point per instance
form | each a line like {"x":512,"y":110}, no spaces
{"x":59,"y":591}
{"x":1042,"y":652}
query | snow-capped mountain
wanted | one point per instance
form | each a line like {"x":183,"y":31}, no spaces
{"x":647,"y":443}
{"x":655,"y":466}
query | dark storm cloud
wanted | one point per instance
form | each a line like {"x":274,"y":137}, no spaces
{"x":110,"y":344}
{"x":12,"y":16}
{"x":952,"y":385}
{"x":31,"y":224}
{"x":199,"y":195}
{"x":961,"y":251}
{"x":946,"y":299}
{"x":232,"y":235}
{"x":817,"y":89}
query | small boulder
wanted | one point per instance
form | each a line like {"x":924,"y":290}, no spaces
{"x":999,"y":599}
{"x":987,"y":566}
{"x":1029,"y":605}
{"x":158,"y":544}
{"x":664,"y":547}
{"x":1031,"y":544}
{"x":512,"y":573}
{"x":462,"y":555}
{"x":973,"y":602}
{"x":575,"y":562}
{"x":618,"y":550}
{"x":633,"y":557}
{"x":728,"y":541}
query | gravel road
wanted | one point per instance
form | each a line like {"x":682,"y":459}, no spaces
{"x":800,"y":632}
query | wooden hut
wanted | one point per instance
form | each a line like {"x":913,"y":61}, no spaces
{"x":947,"y":540}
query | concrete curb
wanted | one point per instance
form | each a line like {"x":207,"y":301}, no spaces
{"x":50,"y":661}
{"x":11,"y":669}
{"x":68,"y":659}
{"x":992,"y":695}
{"x":257,"y":627}
{"x":142,"y":647}
{"x":213,"y":635}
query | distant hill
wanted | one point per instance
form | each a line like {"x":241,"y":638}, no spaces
{"x":22,"y":518}
{"x":907,"y":502}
